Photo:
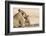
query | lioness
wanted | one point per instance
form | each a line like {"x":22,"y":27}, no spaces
{"x":18,"y":19}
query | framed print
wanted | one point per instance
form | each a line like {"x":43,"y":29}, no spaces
{"x":24,"y":17}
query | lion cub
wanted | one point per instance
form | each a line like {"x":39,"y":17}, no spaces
{"x":27,"y":23}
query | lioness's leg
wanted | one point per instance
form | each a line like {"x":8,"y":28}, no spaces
{"x":22,"y":21}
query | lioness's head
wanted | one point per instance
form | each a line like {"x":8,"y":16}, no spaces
{"x":22,"y":12}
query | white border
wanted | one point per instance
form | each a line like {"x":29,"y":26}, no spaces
{"x":26,"y":28}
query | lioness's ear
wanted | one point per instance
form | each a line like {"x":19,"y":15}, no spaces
{"x":19,"y":10}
